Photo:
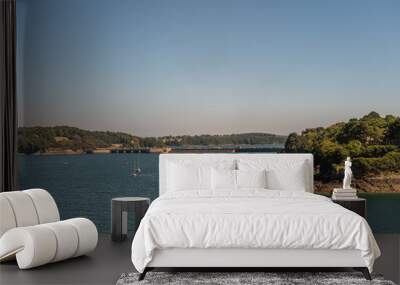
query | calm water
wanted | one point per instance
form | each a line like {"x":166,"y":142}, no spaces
{"x":83,"y":186}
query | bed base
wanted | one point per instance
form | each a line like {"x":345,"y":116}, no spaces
{"x":363,"y":270}
{"x":250,"y":259}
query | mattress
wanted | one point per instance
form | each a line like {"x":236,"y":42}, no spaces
{"x":250,"y":219}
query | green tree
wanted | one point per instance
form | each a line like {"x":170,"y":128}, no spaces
{"x":292,"y":143}
{"x":392,"y":135}
{"x":355,"y":148}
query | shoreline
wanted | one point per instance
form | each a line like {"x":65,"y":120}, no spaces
{"x":167,"y":149}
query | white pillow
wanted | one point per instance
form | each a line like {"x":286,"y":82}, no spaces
{"x":293,"y":178}
{"x":282,"y":174}
{"x":251,"y":178}
{"x":188,"y":177}
{"x":223,"y":179}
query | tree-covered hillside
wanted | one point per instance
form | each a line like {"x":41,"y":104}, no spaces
{"x":217,"y":140}
{"x":372,"y":141}
{"x":41,"y":139}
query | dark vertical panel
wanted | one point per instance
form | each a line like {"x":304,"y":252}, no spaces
{"x":8,"y":116}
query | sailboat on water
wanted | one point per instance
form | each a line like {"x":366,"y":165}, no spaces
{"x":136,"y":170}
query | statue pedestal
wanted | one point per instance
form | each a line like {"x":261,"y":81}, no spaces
{"x":340,"y":193}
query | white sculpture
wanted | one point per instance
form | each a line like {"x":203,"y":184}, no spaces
{"x":348,"y":174}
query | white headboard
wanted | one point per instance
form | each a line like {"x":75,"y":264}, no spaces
{"x":165,"y":158}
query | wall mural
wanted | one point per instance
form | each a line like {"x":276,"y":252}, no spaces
{"x":105,"y":87}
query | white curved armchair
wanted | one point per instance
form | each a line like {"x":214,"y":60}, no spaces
{"x":31,"y":230}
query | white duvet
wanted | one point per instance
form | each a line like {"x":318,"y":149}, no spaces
{"x":250,"y":219}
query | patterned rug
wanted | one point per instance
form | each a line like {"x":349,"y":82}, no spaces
{"x":273,"y":278}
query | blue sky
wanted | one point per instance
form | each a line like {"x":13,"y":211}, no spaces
{"x":191,"y":67}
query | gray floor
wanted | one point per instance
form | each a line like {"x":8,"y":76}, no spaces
{"x":110,"y":260}
{"x":103,"y":266}
{"x":389,"y":262}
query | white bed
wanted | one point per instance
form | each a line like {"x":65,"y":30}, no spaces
{"x":247,"y":226}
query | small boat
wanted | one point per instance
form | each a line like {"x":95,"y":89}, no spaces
{"x":136,"y":170}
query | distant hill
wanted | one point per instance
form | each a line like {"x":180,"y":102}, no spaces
{"x":41,"y":139}
{"x":233,"y":139}
{"x":372,"y":141}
